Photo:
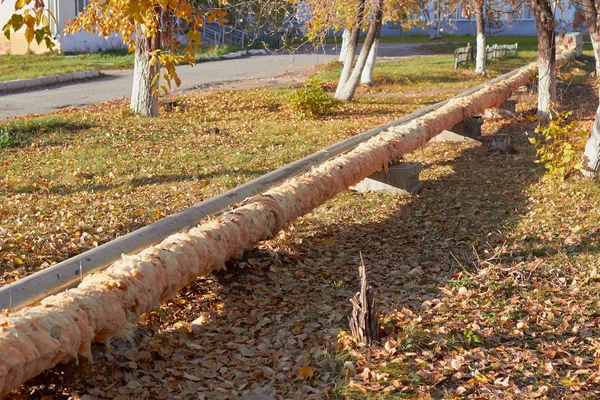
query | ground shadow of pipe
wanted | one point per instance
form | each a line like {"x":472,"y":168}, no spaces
{"x":26,"y":130}
{"x":64,"y":190}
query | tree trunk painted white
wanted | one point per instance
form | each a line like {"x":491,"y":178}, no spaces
{"x":366,"y":77}
{"x":347,"y":69}
{"x":144,"y":94}
{"x":346,"y":38}
{"x":345,"y":90}
{"x":596,"y":47}
{"x":347,"y":87}
{"x":591,"y":155}
{"x":432,"y":32}
{"x":592,"y":149}
{"x":480,"y":58}
{"x":591,"y":167}
{"x":546,"y":86}
{"x":545,"y":24}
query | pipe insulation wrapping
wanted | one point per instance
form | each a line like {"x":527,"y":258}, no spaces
{"x":107,"y":304}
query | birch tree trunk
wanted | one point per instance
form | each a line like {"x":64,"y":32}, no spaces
{"x":592,"y":149}
{"x":591,"y":154}
{"x":596,"y":46}
{"x":434,"y":24}
{"x":366,"y":77}
{"x":351,"y":48}
{"x":144,"y":94}
{"x":346,"y":38}
{"x":348,"y":62}
{"x":481,"y":55}
{"x":346,"y":88}
{"x":545,"y":24}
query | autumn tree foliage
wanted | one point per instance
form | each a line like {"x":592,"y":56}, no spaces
{"x":33,"y":19}
{"x":148,"y":27}
{"x":353,"y":17}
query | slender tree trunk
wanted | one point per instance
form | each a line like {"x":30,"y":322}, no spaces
{"x":144,"y":95}
{"x":346,"y":88}
{"x":596,"y":46}
{"x":592,"y":149}
{"x":351,"y":49}
{"x":545,"y":24}
{"x":433,"y":32}
{"x":592,"y":146}
{"x":366,"y":77}
{"x":591,"y":19}
{"x":349,"y":61}
{"x":346,"y":38}
{"x":481,"y":55}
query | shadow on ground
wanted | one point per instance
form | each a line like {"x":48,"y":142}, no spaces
{"x":251,"y":328}
{"x":63,"y":189}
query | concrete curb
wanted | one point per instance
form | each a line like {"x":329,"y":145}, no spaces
{"x":41,"y":82}
{"x":237,"y":54}
{"x":25,"y":84}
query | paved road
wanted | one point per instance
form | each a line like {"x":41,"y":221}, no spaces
{"x":119,"y":84}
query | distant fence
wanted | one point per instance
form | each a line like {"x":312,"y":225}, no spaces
{"x":270,"y":41}
{"x":464,"y":55}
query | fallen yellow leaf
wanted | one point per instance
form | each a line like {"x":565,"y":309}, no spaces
{"x":306,"y":372}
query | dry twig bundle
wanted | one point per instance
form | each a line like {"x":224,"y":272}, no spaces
{"x":364,"y":324}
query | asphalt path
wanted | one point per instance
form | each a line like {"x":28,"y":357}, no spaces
{"x":118,"y":83}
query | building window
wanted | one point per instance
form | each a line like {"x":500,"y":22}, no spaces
{"x":80,"y":5}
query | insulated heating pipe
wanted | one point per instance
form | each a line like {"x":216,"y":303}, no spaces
{"x":68,"y":273}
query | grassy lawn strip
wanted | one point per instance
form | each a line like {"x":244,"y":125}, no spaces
{"x":32,"y":66}
{"x":486,"y":281}
{"x":35,"y":65}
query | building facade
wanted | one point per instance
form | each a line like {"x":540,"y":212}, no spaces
{"x":63,"y":11}
{"x":519,"y":21}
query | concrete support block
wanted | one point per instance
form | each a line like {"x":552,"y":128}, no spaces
{"x":402,"y":178}
{"x":15,"y":85}
{"x":466,"y":131}
{"x":508,"y":109}
{"x":64,"y":78}
{"x":449,"y":136}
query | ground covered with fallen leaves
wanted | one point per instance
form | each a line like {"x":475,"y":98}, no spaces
{"x":81,"y":177}
{"x":486,"y":283}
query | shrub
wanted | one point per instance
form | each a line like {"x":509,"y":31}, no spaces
{"x":7,"y":138}
{"x":558,"y":143}
{"x":311,"y":99}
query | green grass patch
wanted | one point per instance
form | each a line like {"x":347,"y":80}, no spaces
{"x":431,"y":72}
{"x":35,"y":65}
